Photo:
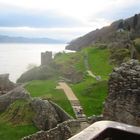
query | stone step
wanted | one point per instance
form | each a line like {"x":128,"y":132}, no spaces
{"x":82,"y":119}
{"x":75,"y":103}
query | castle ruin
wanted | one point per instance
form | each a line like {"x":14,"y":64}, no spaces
{"x":46,"y":58}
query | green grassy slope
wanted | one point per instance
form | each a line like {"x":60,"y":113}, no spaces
{"x":67,"y":60}
{"x":92,"y":93}
{"x":46,"y":89}
{"x":16,"y":121}
{"x":99,"y":62}
{"x":10,"y":132}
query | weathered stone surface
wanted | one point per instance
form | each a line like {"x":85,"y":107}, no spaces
{"x":123,"y":101}
{"x":11,"y":96}
{"x":5,"y":84}
{"x":95,"y":118}
{"x":63,"y":116}
{"x":62,"y":131}
{"x":46,"y":58}
{"x":47,"y":115}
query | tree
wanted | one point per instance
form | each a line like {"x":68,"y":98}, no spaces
{"x":121,"y":26}
{"x":135,"y":21}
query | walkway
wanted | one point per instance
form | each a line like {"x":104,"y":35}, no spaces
{"x":98,"y":78}
{"x":88,"y":69}
{"x":91,"y":74}
{"x":77,"y":108}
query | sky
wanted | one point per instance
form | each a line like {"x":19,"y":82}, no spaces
{"x":61,"y":19}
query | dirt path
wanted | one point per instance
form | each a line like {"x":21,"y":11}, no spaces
{"x":98,"y":78}
{"x":91,"y":74}
{"x":88,"y":68}
{"x":77,"y":108}
{"x":69,"y":93}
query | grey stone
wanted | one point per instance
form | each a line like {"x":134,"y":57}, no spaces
{"x":62,"y":131}
{"x":47,"y":115}
{"x":5,"y":84}
{"x":11,"y":96}
{"x":122,"y":103}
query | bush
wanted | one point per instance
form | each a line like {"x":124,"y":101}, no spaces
{"x":118,"y":56}
{"x":137,"y":44}
{"x":38,"y":73}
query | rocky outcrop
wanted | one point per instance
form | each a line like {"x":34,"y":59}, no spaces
{"x":11,"y":96}
{"x":46,"y":116}
{"x":118,"y":31}
{"x":5,"y":84}
{"x":123,"y":101}
{"x":63,"y":116}
{"x":62,"y":131}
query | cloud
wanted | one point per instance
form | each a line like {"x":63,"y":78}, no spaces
{"x":61,"y":18}
{"x":120,"y":9}
{"x":70,"y":12}
{"x":56,"y":33}
{"x":14,"y":16}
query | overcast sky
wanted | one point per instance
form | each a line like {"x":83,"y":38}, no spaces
{"x":61,"y":19}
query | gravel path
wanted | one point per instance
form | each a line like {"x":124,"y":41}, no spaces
{"x":77,"y":108}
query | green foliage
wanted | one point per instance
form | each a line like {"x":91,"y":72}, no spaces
{"x":120,"y":55}
{"x":39,"y":73}
{"x":137,"y":44}
{"x":135,"y":21}
{"x":46,"y":89}
{"x":31,"y":66}
{"x":121,"y":25}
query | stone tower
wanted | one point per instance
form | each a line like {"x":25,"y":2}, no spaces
{"x":46,"y":58}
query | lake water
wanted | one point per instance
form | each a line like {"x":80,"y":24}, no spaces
{"x":15,"y":58}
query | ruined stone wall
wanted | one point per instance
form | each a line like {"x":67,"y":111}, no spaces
{"x":63,"y":131}
{"x":5,"y":84}
{"x":123,"y":101}
{"x":46,"y":58}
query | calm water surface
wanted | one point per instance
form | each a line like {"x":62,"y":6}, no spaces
{"x":15,"y":58}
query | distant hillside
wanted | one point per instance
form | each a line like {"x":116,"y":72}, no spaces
{"x":108,"y":34}
{"x":9,"y":39}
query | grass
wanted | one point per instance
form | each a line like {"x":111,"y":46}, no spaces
{"x":16,"y":121}
{"x":67,"y":60}
{"x":99,"y":62}
{"x":19,"y":112}
{"x":91,"y":95}
{"x":90,"y":92}
{"x":137,"y":44}
{"x":10,"y":132}
{"x":46,"y":89}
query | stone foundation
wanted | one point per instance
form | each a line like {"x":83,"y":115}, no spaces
{"x":63,"y":131}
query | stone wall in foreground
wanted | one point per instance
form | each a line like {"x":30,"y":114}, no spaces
{"x":123,"y":101}
{"x":5,"y":84}
{"x":63,"y":131}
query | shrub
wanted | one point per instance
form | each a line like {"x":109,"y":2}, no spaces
{"x":137,"y":44}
